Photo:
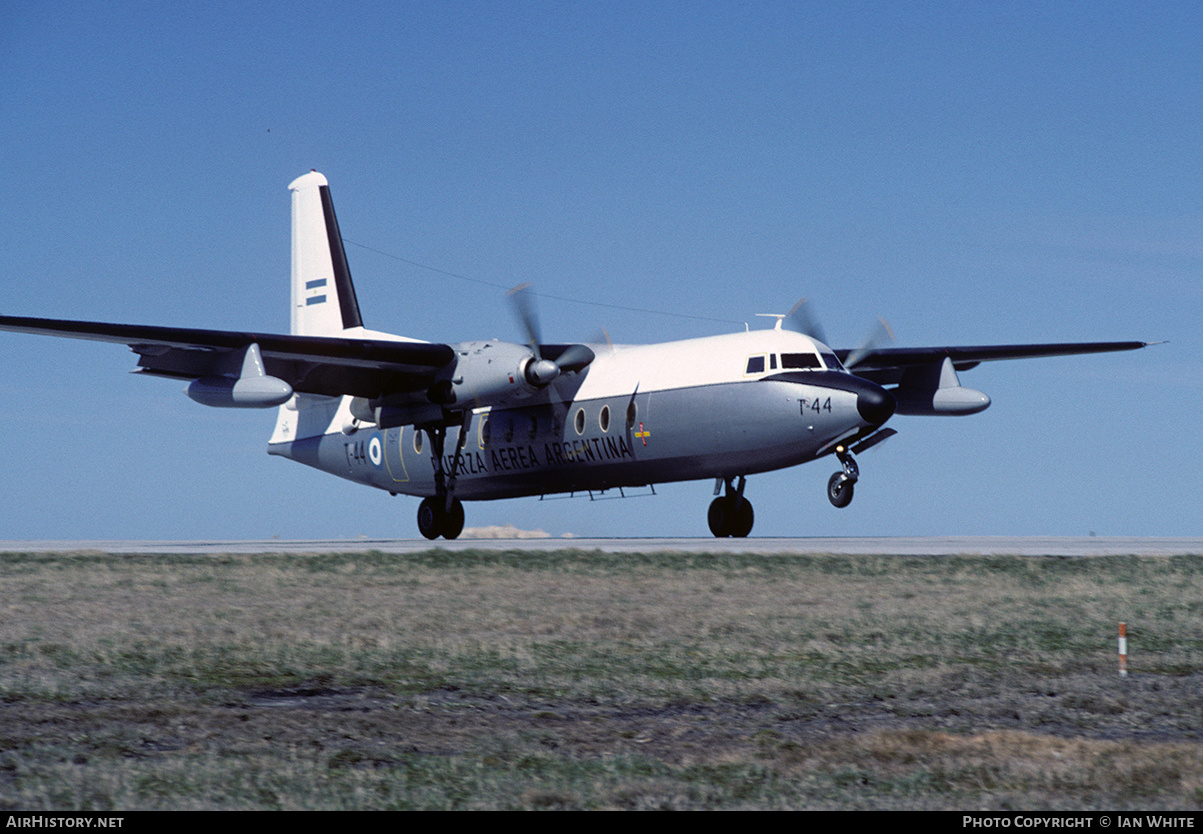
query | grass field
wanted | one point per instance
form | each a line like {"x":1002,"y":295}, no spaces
{"x":589,"y":680}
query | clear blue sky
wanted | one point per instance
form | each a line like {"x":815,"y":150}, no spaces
{"x":975,"y":172}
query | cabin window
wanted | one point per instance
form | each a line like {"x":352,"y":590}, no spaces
{"x":632,"y":414}
{"x":486,"y":431}
{"x":418,"y":441}
{"x":755,"y":364}
{"x":603,"y":418}
{"x":800,"y":361}
{"x":579,"y":421}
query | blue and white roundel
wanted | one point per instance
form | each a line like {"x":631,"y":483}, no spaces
{"x":375,"y":451}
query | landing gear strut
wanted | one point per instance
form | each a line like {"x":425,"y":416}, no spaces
{"x":730,"y":514}
{"x":839,"y":486}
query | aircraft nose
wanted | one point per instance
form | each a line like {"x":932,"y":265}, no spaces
{"x":875,"y":404}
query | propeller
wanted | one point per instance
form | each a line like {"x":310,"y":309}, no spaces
{"x":542,"y":371}
{"x":602,"y":337}
{"x":801,"y":317}
{"x":522,"y":300}
{"x":879,"y":337}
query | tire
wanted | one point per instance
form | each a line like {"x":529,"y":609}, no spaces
{"x":719,"y":518}
{"x":453,"y":522}
{"x":839,"y":490}
{"x":430,"y":518}
{"x":742,"y":518}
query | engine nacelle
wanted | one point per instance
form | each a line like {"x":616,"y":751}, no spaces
{"x":488,"y":373}
{"x":387,"y":414}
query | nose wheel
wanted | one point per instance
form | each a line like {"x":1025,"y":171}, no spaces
{"x":839,"y":485}
{"x":730,"y":514}
{"x":839,"y":490}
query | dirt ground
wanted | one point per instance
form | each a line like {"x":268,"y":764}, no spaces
{"x":443,"y":723}
{"x":744,"y":683}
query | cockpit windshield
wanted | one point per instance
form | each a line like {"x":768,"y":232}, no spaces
{"x":759,"y":363}
{"x":800,"y":361}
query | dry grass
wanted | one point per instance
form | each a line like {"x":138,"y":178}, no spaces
{"x":589,"y":680}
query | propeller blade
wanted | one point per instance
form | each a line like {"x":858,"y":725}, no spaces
{"x":602,"y":337}
{"x":880,"y":337}
{"x":575,"y":358}
{"x":802,"y":318}
{"x":522,"y":300}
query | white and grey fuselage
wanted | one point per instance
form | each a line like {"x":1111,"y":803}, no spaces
{"x":715,"y":407}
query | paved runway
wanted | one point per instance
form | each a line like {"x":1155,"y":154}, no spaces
{"x":913,"y":546}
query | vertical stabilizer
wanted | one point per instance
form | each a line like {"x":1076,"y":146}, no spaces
{"x":323,"y":304}
{"x":323,"y":297}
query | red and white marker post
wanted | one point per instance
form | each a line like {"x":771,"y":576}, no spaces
{"x":1123,"y":650}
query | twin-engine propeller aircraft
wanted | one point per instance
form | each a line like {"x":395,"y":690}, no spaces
{"x":490,"y":419}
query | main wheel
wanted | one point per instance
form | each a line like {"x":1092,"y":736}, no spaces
{"x":719,"y":518}
{"x":730,"y":516}
{"x":430,"y":518}
{"x":839,"y":490}
{"x":742,"y":518}
{"x":453,"y":522}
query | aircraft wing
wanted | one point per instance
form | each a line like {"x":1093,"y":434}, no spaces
{"x":310,"y":364}
{"x":886,"y":366}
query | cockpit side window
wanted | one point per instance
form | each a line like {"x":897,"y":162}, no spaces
{"x":755,"y":364}
{"x":832,"y":363}
{"x":800,"y":361}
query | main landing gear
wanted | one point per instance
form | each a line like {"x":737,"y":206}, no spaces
{"x":839,"y":486}
{"x":442,"y":514}
{"x":730,"y":514}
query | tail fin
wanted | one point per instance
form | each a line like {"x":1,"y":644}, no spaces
{"x":323,"y":297}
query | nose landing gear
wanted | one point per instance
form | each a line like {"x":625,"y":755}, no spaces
{"x":730,"y":514}
{"x":839,"y":486}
